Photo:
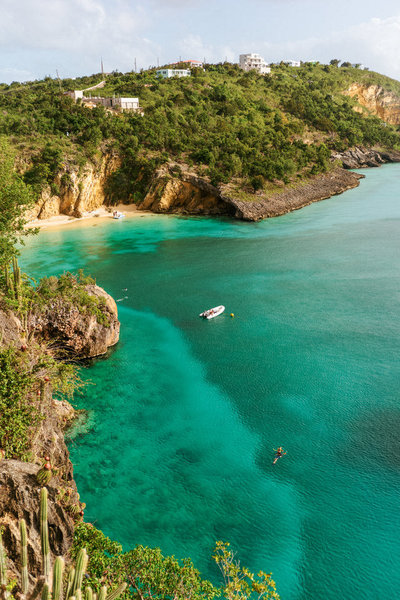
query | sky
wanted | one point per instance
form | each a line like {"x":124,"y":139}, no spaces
{"x":40,"y":37}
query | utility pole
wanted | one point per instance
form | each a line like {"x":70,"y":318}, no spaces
{"x":59,"y":81}
{"x":135,"y":65}
{"x":102,"y":68}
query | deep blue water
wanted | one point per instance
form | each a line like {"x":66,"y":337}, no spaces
{"x":184,"y":414}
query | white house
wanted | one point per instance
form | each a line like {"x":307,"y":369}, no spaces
{"x":293,"y":63}
{"x":167,"y":73}
{"x":126,"y":103}
{"x":248,"y":62}
{"x":112,"y":103}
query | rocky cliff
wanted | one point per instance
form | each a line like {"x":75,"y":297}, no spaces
{"x":77,"y":333}
{"x":70,"y":331}
{"x":190,"y":194}
{"x":376,"y":101}
{"x":359,"y":158}
{"x":81,"y":189}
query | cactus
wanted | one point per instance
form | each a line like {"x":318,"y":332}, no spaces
{"x":58,"y":570}
{"x":44,"y":534}
{"x":45,"y":592}
{"x":103,"y":593}
{"x":80,"y":568}
{"x":47,"y":588}
{"x":70,"y":580}
{"x":4,"y":593}
{"x":114,"y":594}
{"x":17,"y":279}
{"x":88,"y":593}
{"x":44,"y":474}
{"x":8,"y":282}
{"x":24,"y":557}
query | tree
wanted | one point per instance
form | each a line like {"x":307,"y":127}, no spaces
{"x":335,"y":62}
{"x":239,"y":582}
{"x":15,"y":198}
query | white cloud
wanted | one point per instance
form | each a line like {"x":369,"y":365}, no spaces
{"x":374,"y":43}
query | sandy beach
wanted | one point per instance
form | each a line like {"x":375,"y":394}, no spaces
{"x":89,"y":218}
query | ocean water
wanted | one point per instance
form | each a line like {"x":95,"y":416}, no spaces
{"x":184,"y":414}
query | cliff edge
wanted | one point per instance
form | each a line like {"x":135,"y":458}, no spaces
{"x":35,"y":345}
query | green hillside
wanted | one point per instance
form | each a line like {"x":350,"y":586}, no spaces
{"x":225,"y":123}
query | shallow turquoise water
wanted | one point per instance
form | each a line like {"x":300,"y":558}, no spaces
{"x":184,"y":413}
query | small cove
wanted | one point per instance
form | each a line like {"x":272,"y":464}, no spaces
{"x":184,"y":413}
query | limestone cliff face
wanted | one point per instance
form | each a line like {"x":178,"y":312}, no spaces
{"x":190,"y":194}
{"x":377,"y":101}
{"x":80,"y":190}
{"x":185,"y":194}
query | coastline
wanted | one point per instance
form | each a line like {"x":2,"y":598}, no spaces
{"x":89,"y":218}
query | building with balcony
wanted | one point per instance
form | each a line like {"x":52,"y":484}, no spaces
{"x":248,"y":62}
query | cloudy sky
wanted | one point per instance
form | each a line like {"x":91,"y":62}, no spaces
{"x":38,"y":37}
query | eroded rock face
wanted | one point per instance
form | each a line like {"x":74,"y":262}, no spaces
{"x":185,"y":194}
{"x":75,"y":332}
{"x":80,"y":191}
{"x":359,"y":158}
{"x":194,"y":195}
{"x":19,"y":499}
{"x":377,"y":101}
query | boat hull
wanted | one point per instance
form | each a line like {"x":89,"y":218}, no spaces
{"x":212,"y":312}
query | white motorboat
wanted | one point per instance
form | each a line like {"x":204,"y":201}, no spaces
{"x":118,"y":215}
{"x":212,"y":312}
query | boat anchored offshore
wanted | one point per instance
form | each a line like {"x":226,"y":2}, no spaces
{"x":212,"y":312}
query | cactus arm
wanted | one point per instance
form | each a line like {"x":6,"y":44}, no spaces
{"x":88,"y":593}
{"x":58,"y":570}
{"x":103,"y":593}
{"x":45,"y":592}
{"x":80,"y":568}
{"x":3,"y":565}
{"x":70,"y":580}
{"x":24,"y":558}
{"x":114,"y":594}
{"x":44,"y":534}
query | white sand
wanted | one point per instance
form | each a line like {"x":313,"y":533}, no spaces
{"x":89,"y":218}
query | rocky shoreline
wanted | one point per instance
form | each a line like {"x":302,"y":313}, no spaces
{"x":176,"y":189}
{"x":72,"y":333}
{"x":192,"y":195}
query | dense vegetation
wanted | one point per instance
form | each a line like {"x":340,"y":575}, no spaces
{"x":151,"y":576}
{"x":224,"y":122}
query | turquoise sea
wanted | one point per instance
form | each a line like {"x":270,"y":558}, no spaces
{"x":184,"y":413}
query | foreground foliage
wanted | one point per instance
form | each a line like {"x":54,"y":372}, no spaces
{"x":52,"y":585}
{"x":153,"y":576}
{"x":15,"y":198}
